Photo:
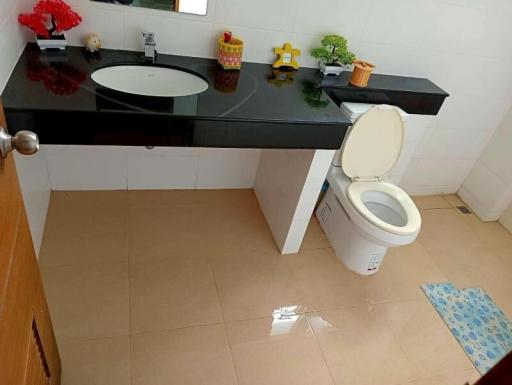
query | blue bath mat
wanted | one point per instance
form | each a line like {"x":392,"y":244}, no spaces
{"x":482,"y":329}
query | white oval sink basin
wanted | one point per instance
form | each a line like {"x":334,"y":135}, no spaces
{"x":149,"y":80}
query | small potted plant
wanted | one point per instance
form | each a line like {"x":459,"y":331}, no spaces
{"x":49,"y":20}
{"x":333,"y":54}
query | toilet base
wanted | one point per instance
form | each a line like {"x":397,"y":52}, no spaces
{"x":357,"y":253}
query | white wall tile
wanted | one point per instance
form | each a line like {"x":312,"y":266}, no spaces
{"x":322,"y":17}
{"x":506,"y":219}
{"x":11,"y":45}
{"x":263,"y":14}
{"x":176,"y":36}
{"x":453,"y":144}
{"x":136,"y":168}
{"x":35,"y":187}
{"x":497,"y":156}
{"x":227,"y":168}
{"x":87,"y":167}
{"x":153,"y":171}
{"x":436,"y":174}
{"x":107,"y":23}
{"x":486,"y":188}
{"x":388,"y":20}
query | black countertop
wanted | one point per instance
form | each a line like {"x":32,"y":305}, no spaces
{"x":54,"y":96}
{"x":413,"y":95}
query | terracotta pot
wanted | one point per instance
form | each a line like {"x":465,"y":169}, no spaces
{"x":361,"y":73}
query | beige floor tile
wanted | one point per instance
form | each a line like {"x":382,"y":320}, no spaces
{"x":444,"y":230}
{"x":190,"y":356}
{"x":403,"y":271}
{"x":96,"y":362}
{"x":454,"y":200}
{"x":176,"y":198}
{"x":255,"y":284}
{"x":172,"y":293}
{"x":88,"y":301}
{"x":431,"y":202}
{"x":155,"y":233}
{"x":325,"y":282}
{"x":425,"y":339}
{"x":85,"y":228}
{"x":504,"y":301}
{"x":315,"y":237}
{"x":453,"y":378}
{"x":359,"y":347}
{"x":275,"y":351}
{"x":491,"y":234}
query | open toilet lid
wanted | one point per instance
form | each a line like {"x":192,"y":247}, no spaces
{"x":373,"y":144}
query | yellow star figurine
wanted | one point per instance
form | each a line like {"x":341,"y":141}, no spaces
{"x":287,"y":56}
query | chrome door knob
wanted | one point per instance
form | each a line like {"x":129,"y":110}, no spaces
{"x":25,"y":142}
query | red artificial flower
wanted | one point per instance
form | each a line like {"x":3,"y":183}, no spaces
{"x":54,"y":12}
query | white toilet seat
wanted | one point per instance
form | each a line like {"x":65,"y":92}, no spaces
{"x":412,"y":217}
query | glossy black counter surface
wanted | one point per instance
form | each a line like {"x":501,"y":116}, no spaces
{"x":54,"y":96}
{"x":413,"y":95}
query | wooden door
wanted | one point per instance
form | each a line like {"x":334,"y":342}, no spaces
{"x":28,"y":352}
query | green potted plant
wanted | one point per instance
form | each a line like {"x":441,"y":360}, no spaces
{"x":333,"y":54}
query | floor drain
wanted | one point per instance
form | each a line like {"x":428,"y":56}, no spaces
{"x":463,"y":209}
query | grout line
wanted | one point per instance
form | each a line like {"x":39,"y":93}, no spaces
{"x":224,"y":324}
{"x":322,"y":353}
{"x":156,"y":331}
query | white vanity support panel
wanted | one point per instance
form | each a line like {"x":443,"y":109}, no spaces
{"x":287,"y":186}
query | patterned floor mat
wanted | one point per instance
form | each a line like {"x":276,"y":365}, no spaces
{"x":480,"y":326}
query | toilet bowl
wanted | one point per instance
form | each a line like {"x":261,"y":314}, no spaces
{"x":363,"y":213}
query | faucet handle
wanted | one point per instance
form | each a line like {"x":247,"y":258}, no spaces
{"x":149,"y":37}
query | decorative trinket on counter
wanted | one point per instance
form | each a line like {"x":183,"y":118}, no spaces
{"x":287,"y":57}
{"x":334,"y":55}
{"x":56,"y":14}
{"x":361,"y":73}
{"x":280,"y":77}
{"x":92,"y":42}
{"x":230,"y":51}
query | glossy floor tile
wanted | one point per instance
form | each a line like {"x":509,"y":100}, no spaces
{"x":277,"y":350}
{"x":187,"y":287}
{"x":96,"y":361}
{"x":173,"y":293}
{"x":360,"y":348}
{"x":190,"y":356}
{"x":88,"y":301}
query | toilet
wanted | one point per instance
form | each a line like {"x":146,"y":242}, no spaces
{"x":363,"y":213}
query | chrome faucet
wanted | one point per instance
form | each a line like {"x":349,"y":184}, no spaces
{"x":149,"y":46}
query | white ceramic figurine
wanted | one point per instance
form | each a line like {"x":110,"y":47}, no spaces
{"x":92,"y":42}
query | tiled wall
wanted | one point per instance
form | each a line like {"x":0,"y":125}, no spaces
{"x":138,"y":168}
{"x":488,"y":187}
{"x":462,"y":45}
{"x":506,"y":218}
{"x":32,"y":171}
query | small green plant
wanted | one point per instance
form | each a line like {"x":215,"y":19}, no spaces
{"x":334,"y":50}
